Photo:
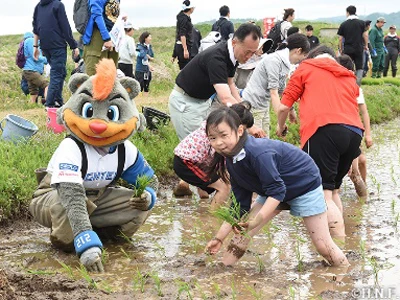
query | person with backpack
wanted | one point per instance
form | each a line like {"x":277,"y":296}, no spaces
{"x":96,"y":37}
{"x":278,"y":33}
{"x":33,"y":69}
{"x":51,"y":27}
{"x":183,"y":39}
{"x":224,"y":25}
{"x":78,"y":197}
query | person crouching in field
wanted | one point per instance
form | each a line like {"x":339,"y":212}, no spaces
{"x":281,"y":172}
{"x":194,"y":154}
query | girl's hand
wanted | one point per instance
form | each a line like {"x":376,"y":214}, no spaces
{"x":213,"y":246}
{"x":248,"y":226}
{"x":281,"y":132}
{"x":368,"y":141}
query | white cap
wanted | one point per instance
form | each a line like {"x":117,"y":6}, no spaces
{"x":189,"y":3}
{"x":129,"y":25}
{"x":265,"y":44}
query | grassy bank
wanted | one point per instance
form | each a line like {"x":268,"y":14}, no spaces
{"x":17,"y":178}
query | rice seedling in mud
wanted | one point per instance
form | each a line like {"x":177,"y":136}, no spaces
{"x":257,"y":294}
{"x":125,"y":253}
{"x":217,"y":290}
{"x":139,"y":280}
{"x":299,"y":256}
{"x":67,"y":269}
{"x":260,"y":264}
{"x":160,"y":249}
{"x":157,"y":283}
{"x":39,"y":272}
{"x":201,"y":290}
{"x":292,"y":293}
{"x":104,"y":256}
{"x":85,"y":275}
{"x":232,"y":214}
{"x":393,"y":206}
{"x":184,"y":287}
{"x":233,"y":290}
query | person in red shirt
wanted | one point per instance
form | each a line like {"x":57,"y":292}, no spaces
{"x":330,"y":126}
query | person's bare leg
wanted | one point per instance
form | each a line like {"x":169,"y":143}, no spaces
{"x":222,"y":193}
{"x":362,"y":166}
{"x":238,"y":245}
{"x":202,"y":193}
{"x":355,"y":176}
{"x":318,"y":230}
{"x":335,"y":216}
{"x":182,"y":189}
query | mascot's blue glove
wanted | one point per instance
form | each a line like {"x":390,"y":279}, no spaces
{"x":146,"y":201}
{"x":88,"y":247}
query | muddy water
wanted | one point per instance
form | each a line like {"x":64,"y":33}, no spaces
{"x":280,"y":264}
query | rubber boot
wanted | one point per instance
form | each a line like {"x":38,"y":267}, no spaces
{"x":394,"y":73}
{"x":385,"y":73}
{"x":378,"y":74}
{"x":359,"y":74}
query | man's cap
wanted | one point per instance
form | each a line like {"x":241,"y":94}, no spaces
{"x":129,"y":25}
{"x":187,"y":4}
{"x":392,"y":27}
{"x":368,"y":22}
{"x":381,"y":19}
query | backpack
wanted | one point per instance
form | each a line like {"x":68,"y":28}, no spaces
{"x":81,"y":15}
{"x":20,"y":59}
{"x":211,"y":39}
{"x":275,"y":35}
{"x":217,"y":25}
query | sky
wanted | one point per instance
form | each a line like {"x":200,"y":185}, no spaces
{"x":16,"y":15}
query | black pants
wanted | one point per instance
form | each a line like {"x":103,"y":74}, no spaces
{"x":144,"y":79}
{"x":127,"y":69}
{"x":178,"y":52}
{"x":392,"y":58}
{"x":333,"y":148}
{"x":357,"y":57}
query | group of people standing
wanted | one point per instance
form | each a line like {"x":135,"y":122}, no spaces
{"x":52,"y":33}
{"x":359,"y":40}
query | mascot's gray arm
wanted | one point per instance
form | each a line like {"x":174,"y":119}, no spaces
{"x":73,"y":199}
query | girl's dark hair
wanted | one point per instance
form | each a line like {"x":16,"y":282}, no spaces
{"x":187,"y":3}
{"x":143,"y":37}
{"x":288,"y":12}
{"x":321,"y":50}
{"x":298,"y":40}
{"x":236,"y":115}
{"x":346,"y":61}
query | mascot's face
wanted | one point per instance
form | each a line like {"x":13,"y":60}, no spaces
{"x":101,"y":111}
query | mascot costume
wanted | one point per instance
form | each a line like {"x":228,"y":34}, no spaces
{"x":78,"y":197}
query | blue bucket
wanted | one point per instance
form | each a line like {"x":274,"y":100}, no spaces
{"x":17,"y":129}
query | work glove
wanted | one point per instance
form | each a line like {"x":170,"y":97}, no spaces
{"x":143,"y":202}
{"x":385,"y":49}
{"x":373,"y":53}
{"x":91,"y":259}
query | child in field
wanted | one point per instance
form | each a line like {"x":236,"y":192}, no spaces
{"x":281,"y":172}
{"x":358,"y":170}
{"x":194,"y":153}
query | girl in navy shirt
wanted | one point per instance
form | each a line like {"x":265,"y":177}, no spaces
{"x":284,"y":174}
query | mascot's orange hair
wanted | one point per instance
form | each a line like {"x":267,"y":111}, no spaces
{"x":103,"y":81}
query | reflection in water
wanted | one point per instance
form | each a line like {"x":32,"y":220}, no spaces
{"x":174,"y":237}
